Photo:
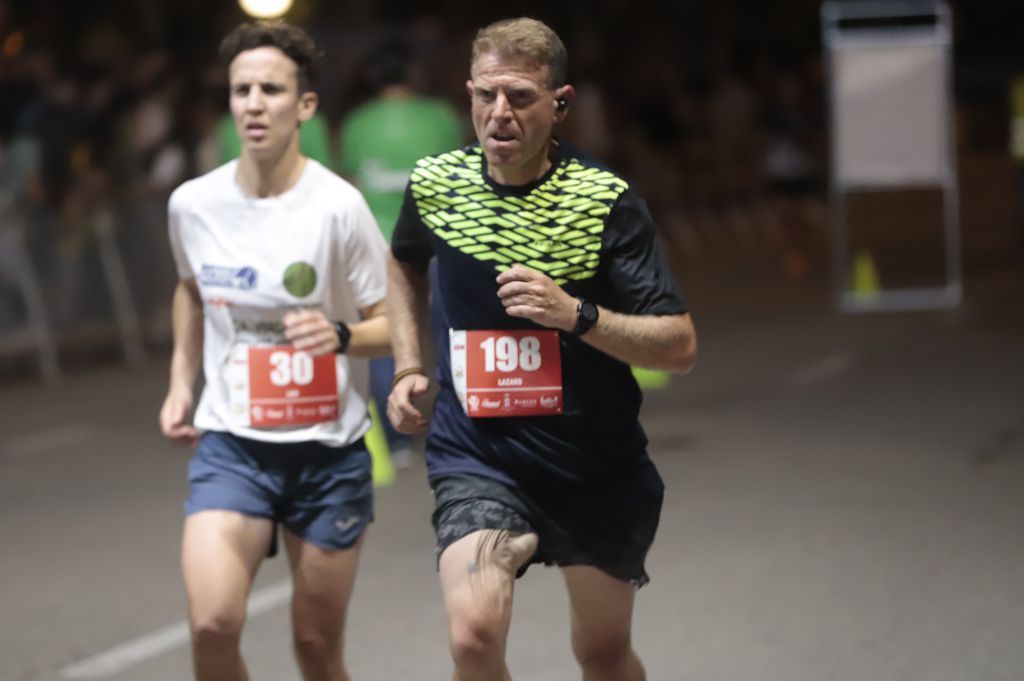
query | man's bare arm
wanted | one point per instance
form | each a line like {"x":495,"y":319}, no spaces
{"x":186,"y":360}
{"x":408,"y":291}
{"x":665,"y":342}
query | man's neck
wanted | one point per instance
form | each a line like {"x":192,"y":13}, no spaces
{"x":265,"y":177}
{"x":396,"y":91}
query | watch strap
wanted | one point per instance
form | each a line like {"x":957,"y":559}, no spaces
{"x":344,"y":336}
{"x":586,"y":317}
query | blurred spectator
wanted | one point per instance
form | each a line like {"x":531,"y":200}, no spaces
{"x":148,"y":160}
{"x":788,"y":166}
{"x":1017,"y":147}
{"x":18,"y":171}
{"x":380,"y":142}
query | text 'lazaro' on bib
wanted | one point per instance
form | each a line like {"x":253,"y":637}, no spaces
{"x":507,"y":373}
{"x":277,"y":385}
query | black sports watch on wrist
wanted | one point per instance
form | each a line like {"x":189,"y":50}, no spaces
{"x":586,"y":317}
{"x":344,"y":336}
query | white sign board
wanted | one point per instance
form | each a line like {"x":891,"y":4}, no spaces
{"x":890,"y":114}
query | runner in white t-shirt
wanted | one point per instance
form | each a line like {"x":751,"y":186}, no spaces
{"x":281,"y":301}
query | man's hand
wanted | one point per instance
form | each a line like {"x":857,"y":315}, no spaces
{"x":175,"y":417}
{"x":402,"y":411}
{"x":534,"y":296}
{"x":310,"y":331}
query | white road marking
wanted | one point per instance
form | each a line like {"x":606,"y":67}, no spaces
{"x":137,"y":650}
{"x":48,"y":440}
{"x":819,"y":371}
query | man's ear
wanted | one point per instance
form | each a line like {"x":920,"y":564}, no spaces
{"x":308,"y":102}
{"x":564,"y":97}
{"x":469,"y":89}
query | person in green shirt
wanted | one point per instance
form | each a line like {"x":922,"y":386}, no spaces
{"x":380,"y":142}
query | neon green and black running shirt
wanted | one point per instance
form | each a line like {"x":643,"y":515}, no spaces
{"x":583,"y":226}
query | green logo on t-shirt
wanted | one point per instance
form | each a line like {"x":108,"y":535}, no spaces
{"x":300,"y":279}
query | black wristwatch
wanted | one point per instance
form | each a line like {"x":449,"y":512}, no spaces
{"x":586,"y":317}
{"x":344,"y":336}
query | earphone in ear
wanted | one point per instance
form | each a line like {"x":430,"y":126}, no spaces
{"x":561,"y":104}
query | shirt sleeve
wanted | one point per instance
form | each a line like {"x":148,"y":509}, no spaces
{"x":638,"y":268}
{"x":364,"y":255}
{"x":411,"y":241}
{"x":174,"y":227}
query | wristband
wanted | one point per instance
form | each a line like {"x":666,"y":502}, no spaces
{"x":407,"y":372}
{"x":344,"y":336}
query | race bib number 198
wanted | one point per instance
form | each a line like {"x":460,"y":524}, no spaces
{"x":507,"y":373}
{"x":280,"y":386}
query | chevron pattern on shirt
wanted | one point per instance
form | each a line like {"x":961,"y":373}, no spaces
{"x":556,"y":228}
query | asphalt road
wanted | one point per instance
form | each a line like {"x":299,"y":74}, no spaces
{"x":844,"y":503}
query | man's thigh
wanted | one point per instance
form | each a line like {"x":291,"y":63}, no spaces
{"x":323,"y":580}
{"x":221,"y":551}
{"x":601,"y":608}
{"x":478,"y":572}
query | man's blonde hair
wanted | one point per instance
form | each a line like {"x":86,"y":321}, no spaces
{"x":528,"y":40}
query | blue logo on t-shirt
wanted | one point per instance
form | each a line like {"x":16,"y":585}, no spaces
{"x":243,"y":278}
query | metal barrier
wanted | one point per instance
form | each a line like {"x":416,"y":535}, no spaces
{"x":89,"y":295}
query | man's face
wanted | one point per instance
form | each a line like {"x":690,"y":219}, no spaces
{"x":265,"y":101}
{"x":513,"y":114}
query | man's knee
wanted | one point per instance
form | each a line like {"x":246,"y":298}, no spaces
{"x":609,"y":651}
{"x":315,"y":646}
{"x":477,"y":637}
{"x":216,"y":630}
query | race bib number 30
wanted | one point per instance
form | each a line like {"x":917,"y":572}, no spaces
{"x":507,"y":373}
{"x":278,"y":385}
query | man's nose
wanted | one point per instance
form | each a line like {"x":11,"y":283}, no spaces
{"x":502,"y":107}
{"x":254,"y":100}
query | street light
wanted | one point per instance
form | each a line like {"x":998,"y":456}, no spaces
{"x":265,"y":9}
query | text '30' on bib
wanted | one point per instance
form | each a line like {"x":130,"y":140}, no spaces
{"x":277,"y":385}
{"x":507,"y":373}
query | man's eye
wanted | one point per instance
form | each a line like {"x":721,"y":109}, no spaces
{"x":520,"y":99}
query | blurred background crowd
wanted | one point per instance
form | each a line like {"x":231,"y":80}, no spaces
{"x":714,"y":110}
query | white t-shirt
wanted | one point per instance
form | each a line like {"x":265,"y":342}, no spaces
{"x":254,"y":259}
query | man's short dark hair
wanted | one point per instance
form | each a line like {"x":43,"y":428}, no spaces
{"x":292,"y":40}
{"x":389,"y":62}
{"x":524,"y":39}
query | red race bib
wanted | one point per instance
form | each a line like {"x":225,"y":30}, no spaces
{"x":507,"y":373}
{"x":278,"y":385}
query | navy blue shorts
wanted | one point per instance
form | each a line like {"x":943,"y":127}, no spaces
{"x":322,"y":494}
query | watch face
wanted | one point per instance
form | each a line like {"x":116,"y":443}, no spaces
{"x":588,"y":311}
{"x":586,"y":317}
